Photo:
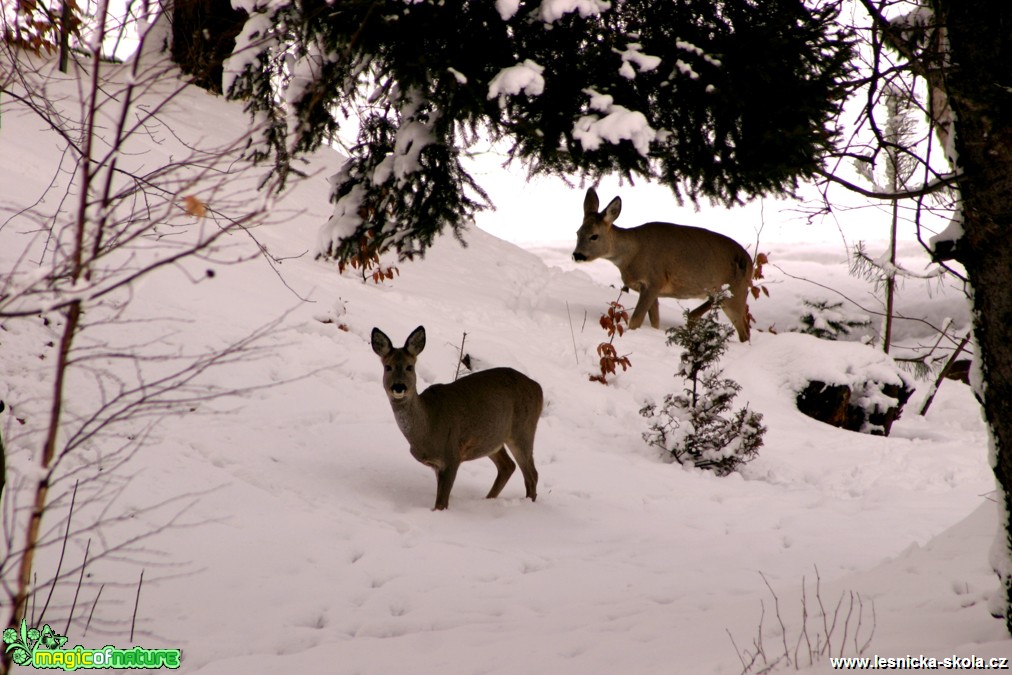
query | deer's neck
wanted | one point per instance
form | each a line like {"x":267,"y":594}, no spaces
{"x":623,"y":246}
{"x":409,"y":412}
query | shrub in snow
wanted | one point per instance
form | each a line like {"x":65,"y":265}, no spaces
{"x":866,"y":405}
{"x":615,"y":322}
{"x":697,"y":426}
{"x":845,"y":384}
{"x":829,"y":321}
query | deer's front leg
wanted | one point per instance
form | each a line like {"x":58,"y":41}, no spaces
{"x":646,"y":303}
{"x":444,"y":483}
{"x":655,"y":314}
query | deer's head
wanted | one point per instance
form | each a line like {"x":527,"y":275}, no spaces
{"x":593,"y":239}
{"x":398,"y":364}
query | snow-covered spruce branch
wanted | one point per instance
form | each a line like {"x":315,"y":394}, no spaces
{"x":492,"y":70}
{"x":876,"y":269}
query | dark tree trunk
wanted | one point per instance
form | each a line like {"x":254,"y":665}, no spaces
{"x":203,"y":36}
{"x":979,"y":84}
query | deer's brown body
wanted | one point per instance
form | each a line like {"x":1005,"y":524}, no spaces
{"x":666,"y":260}
{"x":480,"y":415}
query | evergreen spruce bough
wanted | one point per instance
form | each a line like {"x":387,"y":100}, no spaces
{"x":828,"y":321}
{"x":725,"y":101}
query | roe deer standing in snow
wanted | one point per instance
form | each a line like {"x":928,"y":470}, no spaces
{"x":479,"y":415}
{"x":667,"y":260}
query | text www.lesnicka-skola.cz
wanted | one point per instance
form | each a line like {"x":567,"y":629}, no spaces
{"x":920,"y":663}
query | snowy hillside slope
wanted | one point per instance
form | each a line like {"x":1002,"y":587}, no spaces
{"x":308,"y":544}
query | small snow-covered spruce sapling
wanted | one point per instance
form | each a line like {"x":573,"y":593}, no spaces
{"x":828,"y":321}
{"x":697,"y":426}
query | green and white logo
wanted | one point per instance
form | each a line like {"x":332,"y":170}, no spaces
{"x":45,"y":649}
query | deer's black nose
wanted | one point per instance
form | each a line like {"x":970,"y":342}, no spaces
{"x":399,"y":388}
{"x":579,"y":257}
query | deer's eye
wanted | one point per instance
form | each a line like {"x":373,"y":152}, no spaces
{"x":388,"y":368}
{"x":593,"y":237}
{"x":409,"y":368}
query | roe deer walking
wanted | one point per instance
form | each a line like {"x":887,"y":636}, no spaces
{"x":667,"y":260}
{"x":479,"y":415}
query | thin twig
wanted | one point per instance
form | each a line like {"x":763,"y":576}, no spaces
{"x":737,"y":651}
{"x":874,"y":624}
{"x":860,"y":617}
{"x":35,"y":586}
{"x":758,"y":642}
{"x":825,"y":619}
{"x":80,"y":580}
{"x":460,"y":356}
{"x":776,"y":610}
{"x":3,"y":456}
{"x":846,"y":623}
{"x":137,"y":602}
{"x":804,"y":626}
{"x":93,"y":606}
{"x":572,"y":334}
{"x":941,"y":336}
{"x":63,"y":552}
{"x":945,"y":371}
{"x":866,"y":310}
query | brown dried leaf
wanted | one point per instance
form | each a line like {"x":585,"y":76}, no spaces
{"x":607,"y":366}
{"x":194,"y":206}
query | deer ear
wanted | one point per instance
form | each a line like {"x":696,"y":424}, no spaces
{"x":380,"y":343}
{"x":590,"y":203}
{"x":612,"y":210}
{"x":416,"y":341}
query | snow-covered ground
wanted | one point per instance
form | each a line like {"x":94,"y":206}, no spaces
{"x":305,"y":542}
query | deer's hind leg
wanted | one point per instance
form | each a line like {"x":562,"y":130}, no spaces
{"x":700,"y":311}
{"x":504,"y":467}
{"x":523,"y":451}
